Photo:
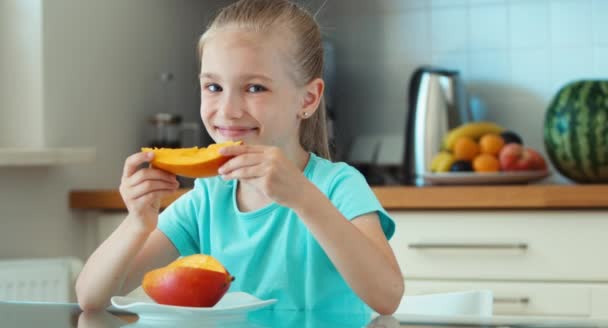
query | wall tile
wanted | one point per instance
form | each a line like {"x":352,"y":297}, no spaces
{"x":409,"y":4}
{"x":488,"y":27}
{"x":530,"y":73}
{"x":489,"y":76}
{"x":525,"y":32}
{"x":363,"y":7}
{"x":454,"y":61}
{"x":448,"y":3}
{"x":449,"y":29}
{"x":408,"y":32}
{"x":571,"y":23}
{"x":490,"y":66}
{"x":600,"y":59}
{"x":485,"y":2}
{"x":570,"y":64}
{"x":351,"y":31}
{"x":600,"y":22}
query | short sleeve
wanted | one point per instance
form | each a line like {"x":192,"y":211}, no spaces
{"x":179,"y":222}
{"x":353,"y":197}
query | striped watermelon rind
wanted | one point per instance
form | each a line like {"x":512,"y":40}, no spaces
{"x":576,"y":131}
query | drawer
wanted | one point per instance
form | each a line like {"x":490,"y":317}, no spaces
{"x":599,"y":301}
{"x":543,"y":246}
{"x":514,"y":298}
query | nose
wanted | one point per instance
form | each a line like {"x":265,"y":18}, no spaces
{"x":231,"y":105}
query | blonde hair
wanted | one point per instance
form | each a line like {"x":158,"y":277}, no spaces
{"x":264,"y":16}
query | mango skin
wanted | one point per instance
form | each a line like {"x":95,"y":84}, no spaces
{"x":186,"y":286}
{"x":205,"y":169}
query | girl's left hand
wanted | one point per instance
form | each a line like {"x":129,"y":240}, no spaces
{"x":267,"y":169}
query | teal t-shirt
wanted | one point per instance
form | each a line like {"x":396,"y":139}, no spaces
{"x":270,"y":251}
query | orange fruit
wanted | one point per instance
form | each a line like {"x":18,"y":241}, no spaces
{"x":486,"y":163}
{"x":491,"y":144}
{"x":197,"y":281}
{"x":465,"y":148}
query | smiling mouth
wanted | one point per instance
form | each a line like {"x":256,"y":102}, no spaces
{"x":234,"y":131}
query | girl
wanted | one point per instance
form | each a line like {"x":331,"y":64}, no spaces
{"x":284,"y":220}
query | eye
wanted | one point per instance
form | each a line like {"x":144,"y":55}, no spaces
{"x":213,"y":87}
{"x":256,"y":88}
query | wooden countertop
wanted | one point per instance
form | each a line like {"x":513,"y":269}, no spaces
{"x":516,"y":197}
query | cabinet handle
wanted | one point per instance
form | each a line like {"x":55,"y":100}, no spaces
{"x":521,"y":246}
{"x":511,"y":300}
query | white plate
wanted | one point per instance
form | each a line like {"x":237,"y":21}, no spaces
{"x":475,"y":178}
{"x":231,"y":305}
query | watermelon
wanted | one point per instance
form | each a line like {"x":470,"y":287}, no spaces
{"x":576,"y":131}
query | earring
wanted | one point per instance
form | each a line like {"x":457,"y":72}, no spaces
{"x":304,"y":114}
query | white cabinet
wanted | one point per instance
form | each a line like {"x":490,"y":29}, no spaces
{"x":536,"y":262}
{"x":519,"y":298}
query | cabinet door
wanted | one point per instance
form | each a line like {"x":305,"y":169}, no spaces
{"x":599,"y":301}
{"x":518,"y":298}
{"x":541,"y":246}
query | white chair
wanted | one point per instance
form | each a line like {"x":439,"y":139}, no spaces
{"x":468,"y":303}
{"x":477,"y":303}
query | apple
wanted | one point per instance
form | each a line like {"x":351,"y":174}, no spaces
{"x":515,"y":157}
{"x":196,"y":281}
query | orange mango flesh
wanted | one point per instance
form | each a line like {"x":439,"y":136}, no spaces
{"x":199,"y":261}
{"x":191,"y":162}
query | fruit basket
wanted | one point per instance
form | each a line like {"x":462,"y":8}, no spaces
{"x":472,"y":178}
{"x":485,"y":153}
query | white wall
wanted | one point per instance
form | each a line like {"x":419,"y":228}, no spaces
{"x":513,"y":56}
{"x":100,"y":66}
{"x":21,"y":72}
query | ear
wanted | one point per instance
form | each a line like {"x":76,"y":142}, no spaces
{"x":312,"y":97}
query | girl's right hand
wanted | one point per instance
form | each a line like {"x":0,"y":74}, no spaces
{"x":142,"y":189}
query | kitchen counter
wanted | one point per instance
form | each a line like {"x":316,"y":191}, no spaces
{"x":516,"y":197}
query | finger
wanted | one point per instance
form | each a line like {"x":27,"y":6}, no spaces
{"x":136,"y":187}
{"x":160,"y":194}
{"x":248,"y":172}
{"x":150,"y":186}
{"x":239,"y":162}
{"x":134,"y":161}
{"x":241,"y":149}
{"x":150,"y":174}
{"x":152,"y":192}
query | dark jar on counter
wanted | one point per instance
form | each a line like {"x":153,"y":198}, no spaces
{"x":167,"y":131}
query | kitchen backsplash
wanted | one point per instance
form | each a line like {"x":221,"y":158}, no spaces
{"x":513,"y":56}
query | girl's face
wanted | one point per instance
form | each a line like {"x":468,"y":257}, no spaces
{"x":247,"y":92}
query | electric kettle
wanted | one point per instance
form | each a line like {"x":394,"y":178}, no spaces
{"x":437,"y":102}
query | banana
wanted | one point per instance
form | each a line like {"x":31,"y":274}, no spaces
{"x":472,"y":130}
{"x":442,"y":162}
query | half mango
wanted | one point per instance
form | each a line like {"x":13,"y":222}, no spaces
{"x":191,"y":162}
